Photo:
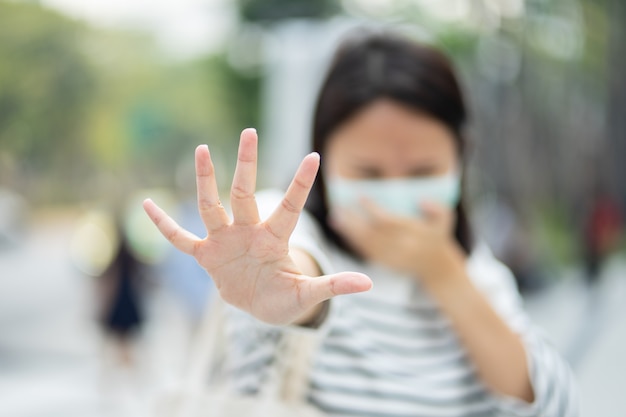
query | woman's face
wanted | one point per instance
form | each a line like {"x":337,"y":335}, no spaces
{"x":389,"y":140}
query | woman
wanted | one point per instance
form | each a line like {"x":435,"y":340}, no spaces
{"x":441,"y":332}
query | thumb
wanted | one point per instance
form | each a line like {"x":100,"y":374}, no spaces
{"x":328,"y":286}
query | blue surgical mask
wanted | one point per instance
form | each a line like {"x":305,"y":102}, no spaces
{"x":401,"y":196}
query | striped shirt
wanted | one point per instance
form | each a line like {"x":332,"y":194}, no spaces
{"x":391,"y":352}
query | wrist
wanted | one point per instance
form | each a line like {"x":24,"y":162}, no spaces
{"x":315,"y":317}
{"x":447,"y":268}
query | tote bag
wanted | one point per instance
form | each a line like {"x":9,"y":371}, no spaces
{"x":203,"y":395}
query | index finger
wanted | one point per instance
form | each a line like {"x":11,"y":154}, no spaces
{"x":284,"y":219}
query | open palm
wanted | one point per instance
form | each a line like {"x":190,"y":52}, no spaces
{"x":248,"y":258}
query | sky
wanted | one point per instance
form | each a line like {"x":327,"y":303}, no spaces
{"x":187,"y":28}
{"x":183,"y":28}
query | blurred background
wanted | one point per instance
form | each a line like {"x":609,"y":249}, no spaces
{"x":103,"y":102}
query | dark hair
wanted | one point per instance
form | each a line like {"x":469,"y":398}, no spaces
{"x":374,"y":66}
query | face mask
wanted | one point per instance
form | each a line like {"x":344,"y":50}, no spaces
{"x":402,"y":196}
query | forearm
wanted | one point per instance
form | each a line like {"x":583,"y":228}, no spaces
{"x":496,"y":351}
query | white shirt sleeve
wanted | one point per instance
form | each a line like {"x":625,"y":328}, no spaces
{"x":551,"y":377}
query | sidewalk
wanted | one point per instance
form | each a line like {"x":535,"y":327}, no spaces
{"x":589,"y":329}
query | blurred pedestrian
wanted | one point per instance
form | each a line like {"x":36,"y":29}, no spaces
{"x":602,"y":234}
{"x":120,"y":291}
{"x":442,"y":330}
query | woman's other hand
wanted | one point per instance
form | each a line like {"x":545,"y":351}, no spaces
{"x":424,"y":247}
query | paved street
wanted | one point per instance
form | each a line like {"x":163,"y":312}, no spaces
{"x":53,"y":361}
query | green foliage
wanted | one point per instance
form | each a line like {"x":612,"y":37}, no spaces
{"x":86,"y":111}
{"x":458,"y":44}
{"x":558,"y":241}
{"x":46,"y":86}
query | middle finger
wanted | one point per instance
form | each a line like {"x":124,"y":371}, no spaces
{"x":242,"y":199}
{"x":211,"y":210}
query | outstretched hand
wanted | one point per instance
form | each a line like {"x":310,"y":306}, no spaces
{"x":249,"y":258}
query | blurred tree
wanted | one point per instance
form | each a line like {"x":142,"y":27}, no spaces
{"x":202,"y":101}
{"x":88,"y":113}
{"x":545,"y":83}
{"x":45,"y":90}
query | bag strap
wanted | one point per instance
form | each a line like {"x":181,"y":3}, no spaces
{"x":297,"y":362}
{"x":288,"y":375}
{"x":301,"y":346}
{"x":205,"y":348}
